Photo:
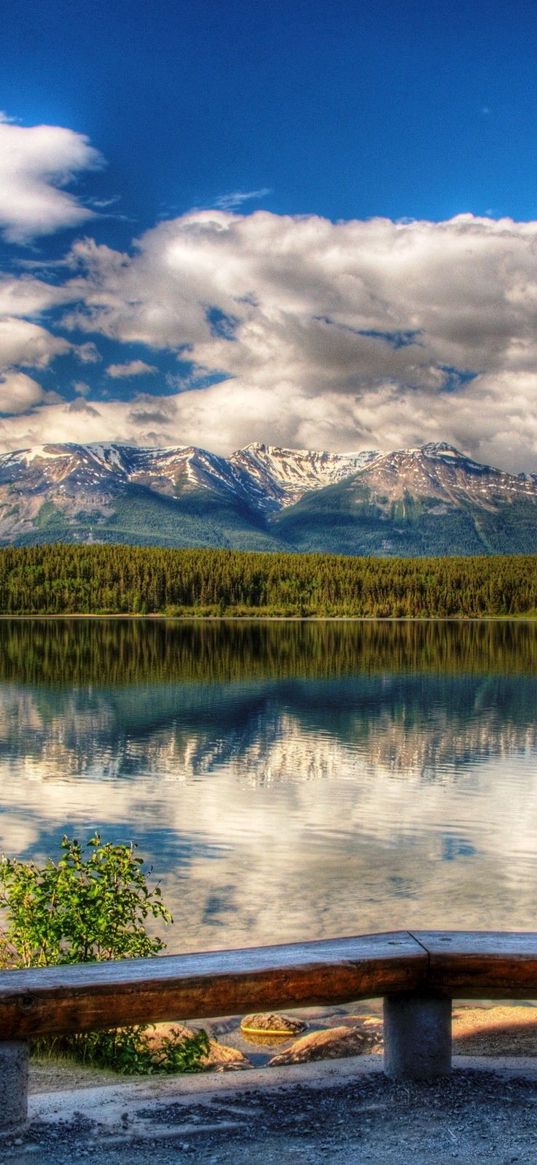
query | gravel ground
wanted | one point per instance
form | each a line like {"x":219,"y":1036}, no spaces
{"x":338,"y":1111}
{"x":348,"y":1113}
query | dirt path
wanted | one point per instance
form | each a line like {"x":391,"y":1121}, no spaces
{"x":330,"y":1112}
{"x":339,"y":1113}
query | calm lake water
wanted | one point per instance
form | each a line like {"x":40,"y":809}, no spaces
{"x":284,"y":780}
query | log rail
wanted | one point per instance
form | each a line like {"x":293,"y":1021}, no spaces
{"x":418,"y":973}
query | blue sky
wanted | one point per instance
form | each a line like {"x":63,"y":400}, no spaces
{"x":345,"y":110}
{"x":236,"y":156}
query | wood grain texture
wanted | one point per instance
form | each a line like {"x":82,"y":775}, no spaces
{"x":457,"y":964}
{"x":62,"y":1000}
{"x":477,"y":964}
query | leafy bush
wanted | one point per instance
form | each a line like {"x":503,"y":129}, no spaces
{"x":85,"y":908}
{"x":80,"y":909}
{"x":129,"y":1051}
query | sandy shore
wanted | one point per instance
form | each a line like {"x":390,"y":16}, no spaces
{"x":495,"y":1031}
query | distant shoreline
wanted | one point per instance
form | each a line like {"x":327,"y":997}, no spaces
{"x":253,"y":618}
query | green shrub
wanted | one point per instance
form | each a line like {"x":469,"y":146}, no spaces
{"x":128,"y":1050}
{"x":83,"y":908}
{"x":91,"y":907}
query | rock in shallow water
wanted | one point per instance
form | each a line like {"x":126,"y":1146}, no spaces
{"x":329,"y":1044}
{"x":222,"y":1058}
{"x":270,"y":1024}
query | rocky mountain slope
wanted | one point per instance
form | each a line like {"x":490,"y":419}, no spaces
{"x":428,"y":500}
{"x":275,"y":478}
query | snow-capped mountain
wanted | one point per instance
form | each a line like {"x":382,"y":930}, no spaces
{"x":430,"y":500}
{"x":275,"y":478}
{"x":165,"y":470}
{"x":440,"y":470}
{"x":267,"y":477}
{"x":427,"y":500}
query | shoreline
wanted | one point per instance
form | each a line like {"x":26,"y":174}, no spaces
{"x":486,"y":1030}
{"x":253,"y":618}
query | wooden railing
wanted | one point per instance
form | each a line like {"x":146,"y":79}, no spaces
{"x":417,"y":973}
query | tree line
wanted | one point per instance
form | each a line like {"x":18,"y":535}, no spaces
{"x":67,"y":579}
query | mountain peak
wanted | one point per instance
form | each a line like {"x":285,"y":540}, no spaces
{"x":442,"y":449}
{"x":430,"y":499}
{"x":277,"y":477}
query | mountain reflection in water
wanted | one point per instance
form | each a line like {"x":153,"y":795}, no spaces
{"x":284,"y":780}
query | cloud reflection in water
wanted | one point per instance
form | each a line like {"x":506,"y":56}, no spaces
{"x":285,"y":781}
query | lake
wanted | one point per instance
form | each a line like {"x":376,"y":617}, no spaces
{"x":285,"y":780}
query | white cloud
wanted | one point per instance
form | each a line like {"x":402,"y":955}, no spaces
{"x":30,"y":296}
{"x":19,"y":392}
{"x":131,"y":368}
{"x":237,"y":199}
{"x":36,"y":163}
{"x":79,"y":405}
{"x":331,"y":335}
{"x":304,"y":292}
{"x":28,"y":345}
{"x":87,"y":353}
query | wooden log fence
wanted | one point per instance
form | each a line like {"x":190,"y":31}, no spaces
{"x":417,"y":973}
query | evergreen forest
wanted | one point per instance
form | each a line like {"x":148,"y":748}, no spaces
{"x":63,"y":579}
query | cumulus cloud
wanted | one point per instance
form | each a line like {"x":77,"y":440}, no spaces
{"x":131,"y":368}
{"x":150,"y":410}
{"x":79,"y":405}
{"x":87,"y":353}
{"x":30,"y":296}
{"x":19,"y":392}
{"x":36,"y":164}
{"x":28,"y":344}
{"x":84,"y":421}
{"x":337,"y":335}
{"x":325,"y":305}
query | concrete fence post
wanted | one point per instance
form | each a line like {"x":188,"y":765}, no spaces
{"x":417,"y":1036}
{"x":13,"y":1082}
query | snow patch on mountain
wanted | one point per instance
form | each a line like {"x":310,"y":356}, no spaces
{"x":264,"y":495}
{"x":276,"y":477}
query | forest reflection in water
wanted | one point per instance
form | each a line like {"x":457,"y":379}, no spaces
{"x":124,"y":651}
{"x":285,"y":780}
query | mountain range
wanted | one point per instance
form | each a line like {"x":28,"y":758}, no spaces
{"x":429,"y":500}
